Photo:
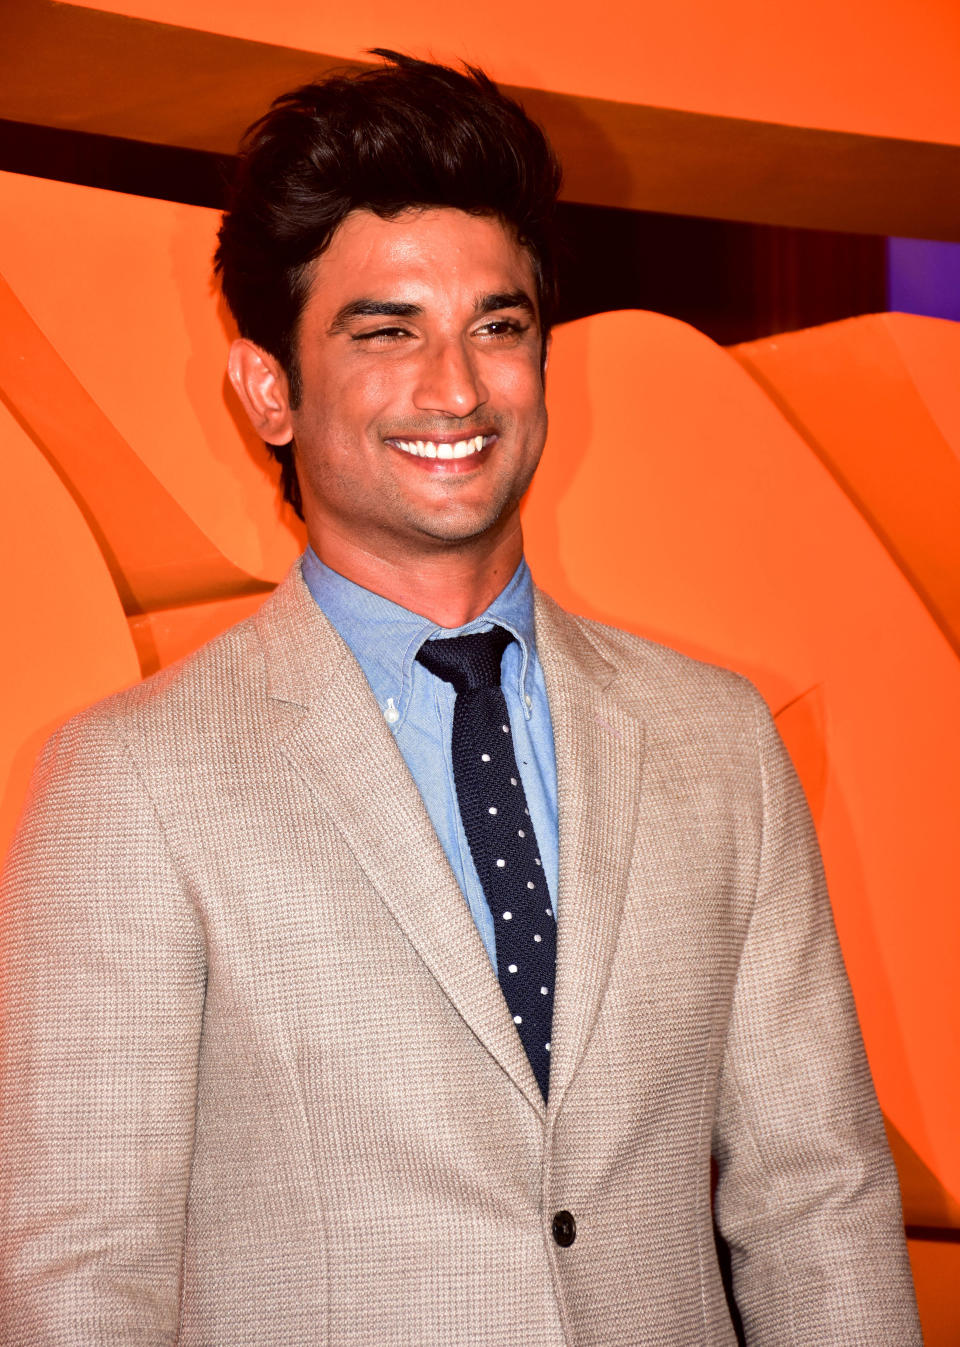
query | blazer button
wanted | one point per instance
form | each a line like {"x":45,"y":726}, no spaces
{"x":564,"y":1229}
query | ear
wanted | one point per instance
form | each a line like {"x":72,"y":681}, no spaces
{"x":545,"y":356}
{"x":261,"y":386}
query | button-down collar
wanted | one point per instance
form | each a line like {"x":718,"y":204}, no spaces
{"x":385,"y":638}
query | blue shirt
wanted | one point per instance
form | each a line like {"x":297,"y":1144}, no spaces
{"x":418,"y":707}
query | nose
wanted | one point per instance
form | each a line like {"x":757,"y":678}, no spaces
{"x":449,"y":381}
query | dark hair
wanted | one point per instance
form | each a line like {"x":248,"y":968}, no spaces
{"x":408,"y":133}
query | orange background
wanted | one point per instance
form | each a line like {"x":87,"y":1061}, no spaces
{"x":788,"y":507}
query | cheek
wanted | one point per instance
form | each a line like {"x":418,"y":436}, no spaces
{"x":361,"y":400}
{"x":520,"y":388}
{"x":340,"y":411}
{"x":532,"y":406}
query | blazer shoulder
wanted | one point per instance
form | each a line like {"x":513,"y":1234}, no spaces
{"x":210,"y":707}
{"x":219,"y":671}
{"x":650,"y":670}
{"x":285,"y":644}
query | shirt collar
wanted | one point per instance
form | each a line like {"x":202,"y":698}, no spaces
{"x":385,"y":637}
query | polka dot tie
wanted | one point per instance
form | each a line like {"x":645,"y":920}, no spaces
{"x":499,"y":829}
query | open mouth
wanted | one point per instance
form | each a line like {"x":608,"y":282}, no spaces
{"x":444,"y":449}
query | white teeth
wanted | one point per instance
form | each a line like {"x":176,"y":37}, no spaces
{"x":427,"y":448}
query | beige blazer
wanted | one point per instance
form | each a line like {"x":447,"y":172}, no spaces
{"x":260,"y":1086}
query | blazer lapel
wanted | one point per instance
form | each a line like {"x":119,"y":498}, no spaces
{"x":599,"y":749}
{"x":341,"y":746}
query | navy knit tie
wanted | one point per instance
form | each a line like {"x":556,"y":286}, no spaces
{"x":497,"y":823}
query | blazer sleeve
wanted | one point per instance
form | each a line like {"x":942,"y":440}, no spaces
{"x":807,"y":1196}
{"x":101,"y":994}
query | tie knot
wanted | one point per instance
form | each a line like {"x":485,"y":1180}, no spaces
{"x":468,"y":662}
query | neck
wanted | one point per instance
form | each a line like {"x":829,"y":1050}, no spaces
{"x":450,"y":587}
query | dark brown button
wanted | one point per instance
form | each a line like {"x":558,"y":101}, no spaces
{"x":564,"y":1229}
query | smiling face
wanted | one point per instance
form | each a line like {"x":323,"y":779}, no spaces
{"x":422,"y":416}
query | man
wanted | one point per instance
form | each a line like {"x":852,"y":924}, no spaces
{"x":390,"y":971}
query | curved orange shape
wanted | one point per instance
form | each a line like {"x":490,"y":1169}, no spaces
{"x":876,"y":399}
{"x":674,"y":499}
{"x":157,"y":556}
{"x":65,"y":635}
{"x":124,"y":384}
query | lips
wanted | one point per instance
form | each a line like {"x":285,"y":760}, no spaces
{"x":443,"y":449}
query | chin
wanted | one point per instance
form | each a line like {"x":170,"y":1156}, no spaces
{"x":463,"y":526}
{"x":461,"y":522}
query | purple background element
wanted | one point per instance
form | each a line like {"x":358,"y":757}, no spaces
{"x":923,"y":276}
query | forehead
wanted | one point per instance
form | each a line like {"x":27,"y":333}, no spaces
{"x":424,"y":254}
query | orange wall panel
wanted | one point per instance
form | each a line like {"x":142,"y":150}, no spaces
{"x":876,"y":399}
{"x":122,"y":289}
{"x":64,"y":634}
{"x":676,"y":500}
{"x":936,"y":1274}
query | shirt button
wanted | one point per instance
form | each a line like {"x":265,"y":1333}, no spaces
{"x":564,"y":1229}
{"x":529,"y":701}
{"x":391,"y":715}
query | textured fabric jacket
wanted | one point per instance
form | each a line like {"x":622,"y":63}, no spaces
{"x":260,"y":1085}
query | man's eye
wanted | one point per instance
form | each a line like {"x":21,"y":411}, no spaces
{"x":382,"y":334}
{"x":502,"y":327}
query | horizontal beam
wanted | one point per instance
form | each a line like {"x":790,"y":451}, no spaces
{"x":687,"y":163}
{"x":107,"y":74}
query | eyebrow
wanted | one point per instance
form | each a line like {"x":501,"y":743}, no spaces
{"x":390,"y":308}
{"x":372,"y":308}
{"x":505,"y":299}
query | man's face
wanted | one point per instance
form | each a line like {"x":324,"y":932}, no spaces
{"x":422,"y":417}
